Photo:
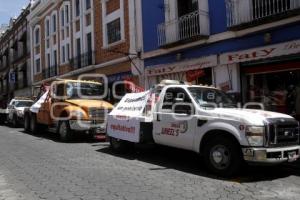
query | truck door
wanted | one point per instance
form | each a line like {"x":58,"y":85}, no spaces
{"x":176,"y":123}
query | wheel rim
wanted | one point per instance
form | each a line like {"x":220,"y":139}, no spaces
{"x":220,"y":157}
{"x":63,"y":130}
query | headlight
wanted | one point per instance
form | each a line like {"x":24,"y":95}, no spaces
{"x":77,"y":114}
{"x":255,"y":135}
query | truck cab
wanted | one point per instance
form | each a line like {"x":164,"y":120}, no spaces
{"x":69,"y":107}
{"x":207,"y":121}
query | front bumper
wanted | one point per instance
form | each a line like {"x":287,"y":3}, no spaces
{"x":271,"y":155}
{"x":88,"y":126}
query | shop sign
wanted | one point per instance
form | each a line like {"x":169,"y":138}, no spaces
{"x":286,"y":48}
{"x":205,"y":62}
{"x":194,"y":75}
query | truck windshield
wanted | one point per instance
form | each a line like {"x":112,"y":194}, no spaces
{"x":211,"y":98}
{"x":19,"y":104}
{"x":83,"y":90}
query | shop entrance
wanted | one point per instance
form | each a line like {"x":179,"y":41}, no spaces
{"x":277,"y":88}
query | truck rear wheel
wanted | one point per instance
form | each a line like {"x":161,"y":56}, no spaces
{"x":34,"y":126}
{"x":26,"y":123}
{"x":120,"y":146}
{"x":64,"y":131}
{"x":222,"y":156}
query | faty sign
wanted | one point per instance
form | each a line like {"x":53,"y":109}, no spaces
{"x":124,"y":120}
{"x":281,"y":49}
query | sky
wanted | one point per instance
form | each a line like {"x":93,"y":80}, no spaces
{"x":10,"y":8}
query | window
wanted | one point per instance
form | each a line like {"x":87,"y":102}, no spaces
{"x":54,"y":23}
{"x":37,"y":36}
{"x":89,"y":48}
{"x":78,"y":51}
{"x":172,"y":94}
{"x":89,"y":42}
{"x":113,"y":24}
{"x":48,"y":60}
{"x":87,"y":4}
{"x":60,"y":90}
{"x":68,"y":52}
{"x":186,"y":7}
{"x":62,"y":17}
{"x":55,"y":58}
{"x":114,"y":31}
{"x":47,"y":28}
{"x":77,"y":7}
{"x":63,"y":54}
{"x":78,"y":47}
{"x":38,"y":65}
{"x":67,"y":14}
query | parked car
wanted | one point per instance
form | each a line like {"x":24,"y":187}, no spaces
{"x":15,"y":110}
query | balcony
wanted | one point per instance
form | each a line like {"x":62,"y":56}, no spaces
{"x":241,"y":12}
{"x":50,"y":72}
{"x":83,"y":60}
{"x":186,"y":28}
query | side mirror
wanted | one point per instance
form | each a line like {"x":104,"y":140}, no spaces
{"x":183,"y":109}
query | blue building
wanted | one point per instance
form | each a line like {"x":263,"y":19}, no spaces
{"x":247,"y":47}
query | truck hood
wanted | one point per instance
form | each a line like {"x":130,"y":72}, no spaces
{"x":87,"y":103}
{"x":248,"y":116}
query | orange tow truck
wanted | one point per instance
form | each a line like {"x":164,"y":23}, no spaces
{"x":69,"y":107}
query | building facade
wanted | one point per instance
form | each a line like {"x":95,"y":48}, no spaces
{"x":76,"y":37}
{"x":247,"y":47}
{"x":15,"y":77}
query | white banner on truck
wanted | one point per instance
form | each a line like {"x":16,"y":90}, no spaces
{"x":124,"y":120}
{"x":36,"y":107}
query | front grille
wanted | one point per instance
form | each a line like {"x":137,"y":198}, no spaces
{"x":98,"y":115}
{"x":283,"y":132}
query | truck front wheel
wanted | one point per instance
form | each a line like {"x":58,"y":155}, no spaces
{"x":222,"y":156}
{"x":64,"y":131}
{"x":15,"y":121}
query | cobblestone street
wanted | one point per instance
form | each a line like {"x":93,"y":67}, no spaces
{"x":40,"y":167}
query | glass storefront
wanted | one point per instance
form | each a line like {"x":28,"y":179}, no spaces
{"x":277,"y":91}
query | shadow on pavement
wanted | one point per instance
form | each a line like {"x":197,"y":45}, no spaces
{"x":189,"y":162}
{"x":55,"y":137}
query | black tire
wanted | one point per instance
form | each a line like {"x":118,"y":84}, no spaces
{"x":64,"y":131}
{"x":15,"y":121}
{"x":120,"y":146}
{"x":34,"y":126}
{"x":27,"y":123}
{"x":223,"y":156}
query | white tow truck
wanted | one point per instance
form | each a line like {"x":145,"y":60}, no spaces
{"x":204,"y":120}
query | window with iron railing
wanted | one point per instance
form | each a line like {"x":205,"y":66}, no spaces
{"x":246,"y":11}
{"x":83,"y":60}
{"x":50,"y":72}
{"x":185,"y":21}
